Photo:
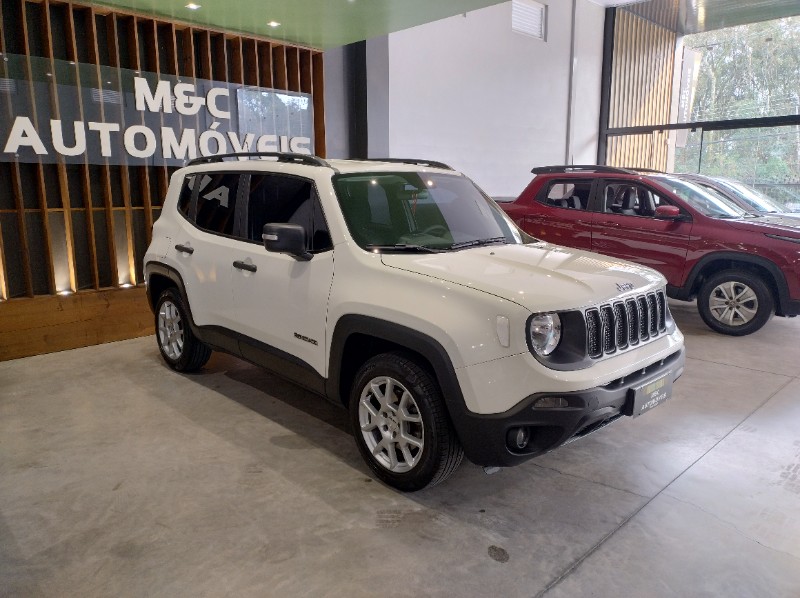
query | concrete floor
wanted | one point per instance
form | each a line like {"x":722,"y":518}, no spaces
{"x":119,"y":477}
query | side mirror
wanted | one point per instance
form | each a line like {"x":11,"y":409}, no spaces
{"x":668,"y":213}
{"x":286,"y":238}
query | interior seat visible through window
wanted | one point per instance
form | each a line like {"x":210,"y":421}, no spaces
{"x":630,"y":201}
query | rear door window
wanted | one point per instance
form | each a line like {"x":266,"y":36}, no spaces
{"x":571,"y":194}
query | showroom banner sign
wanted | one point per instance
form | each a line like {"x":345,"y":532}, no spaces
{"x":59,"y":111}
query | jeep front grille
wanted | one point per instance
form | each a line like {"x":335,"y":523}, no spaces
{"x":622,"y":324}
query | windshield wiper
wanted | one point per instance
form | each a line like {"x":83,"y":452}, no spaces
{"x":477,"y":243}
{"x":404,"y":247}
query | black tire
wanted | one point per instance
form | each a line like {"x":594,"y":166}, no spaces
{"x":440,"y":453}
{"x":172,"y":325}
{"x":727,"y":299}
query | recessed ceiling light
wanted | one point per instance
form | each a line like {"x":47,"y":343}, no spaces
{"x":193,"y":6}
{"x":274,"y":24}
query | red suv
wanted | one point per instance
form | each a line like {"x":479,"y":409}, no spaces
{"x":741,"y":268}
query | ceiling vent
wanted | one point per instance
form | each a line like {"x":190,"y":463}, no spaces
{"x":529,"y":18}
{"x":8,"y":85}
{"x":106,"y":96}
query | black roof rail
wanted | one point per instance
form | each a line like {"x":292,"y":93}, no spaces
{"x":590,"y":168}
{"x":418,"y":161}
{"x":281,"y":156}
{"x":651,"y":170}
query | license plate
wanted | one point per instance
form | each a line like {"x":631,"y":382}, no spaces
{"x":643,"y":398}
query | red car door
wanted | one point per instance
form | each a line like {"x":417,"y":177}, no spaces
{"x":626,"y":227}
{"x":560,"y":213}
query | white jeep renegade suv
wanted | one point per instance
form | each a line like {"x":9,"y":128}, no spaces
{"x":398,"y":289}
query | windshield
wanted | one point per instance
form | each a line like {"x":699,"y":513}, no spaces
{"x":707,"y":202}
{"x":753,"y":198}
{"x":421,"y":211}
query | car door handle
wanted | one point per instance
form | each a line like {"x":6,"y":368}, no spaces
{"x":244,"y":266}
{"x":185,"y":249}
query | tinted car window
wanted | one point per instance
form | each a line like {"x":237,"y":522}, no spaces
{"x":216,"y":202}
{"x":185,"y":198}
{"x":282,"y":199}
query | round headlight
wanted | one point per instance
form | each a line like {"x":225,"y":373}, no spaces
{"x":545,"y":333}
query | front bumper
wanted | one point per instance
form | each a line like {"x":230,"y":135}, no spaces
{"x":485,"y":438}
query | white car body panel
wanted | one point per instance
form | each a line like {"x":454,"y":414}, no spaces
{"x":453,"y":297}
{"x":284,"y":303}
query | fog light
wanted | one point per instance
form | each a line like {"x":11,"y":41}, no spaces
{"x":519,"y":437}
{"x":550,"y":403}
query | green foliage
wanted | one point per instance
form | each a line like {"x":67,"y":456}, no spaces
{"x":748,"y":71}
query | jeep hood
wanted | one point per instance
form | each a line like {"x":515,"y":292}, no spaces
{"x":538,"y":276}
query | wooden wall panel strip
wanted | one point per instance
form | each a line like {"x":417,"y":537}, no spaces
{"x":250,"y":62}
{"x":641,"y":89}
{"x":219,"y":58}
{"x":112,"y":28}
{"x":2,"y":33}
{"x":187,"y":58}
{"x":318,"y":98}
{"x":72,"y":55}
{"x":94,"y":53}
{"x":3,"y":285}
{"x":233,"y":46}
{"x":32,"y":40}
{"x":204,"y":48}
{"x":136,"y":52}
{"x":279,"y":67}
{"x":6,"y":10}
{"x":265,"y":64}
{"x":292,"y":69}
{"x":62,"y":169}
{"x":306,"y":75}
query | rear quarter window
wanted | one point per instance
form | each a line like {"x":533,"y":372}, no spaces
{"x":567,"y":194}
{"x":185,"y":198}
{"x":216,"y":202}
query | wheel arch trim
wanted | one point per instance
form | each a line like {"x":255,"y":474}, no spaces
{"x":777,"y":275}
{"x":161,"y":269}
{"x":413,"y":340}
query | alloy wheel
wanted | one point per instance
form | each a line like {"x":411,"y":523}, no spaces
{"x":170,"y":330}
{"x":391,"y":424}
{"x":733,"y":303}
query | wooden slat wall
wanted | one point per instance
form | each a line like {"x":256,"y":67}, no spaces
{"x":82,"y":229}
{"x":641,"y":90}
